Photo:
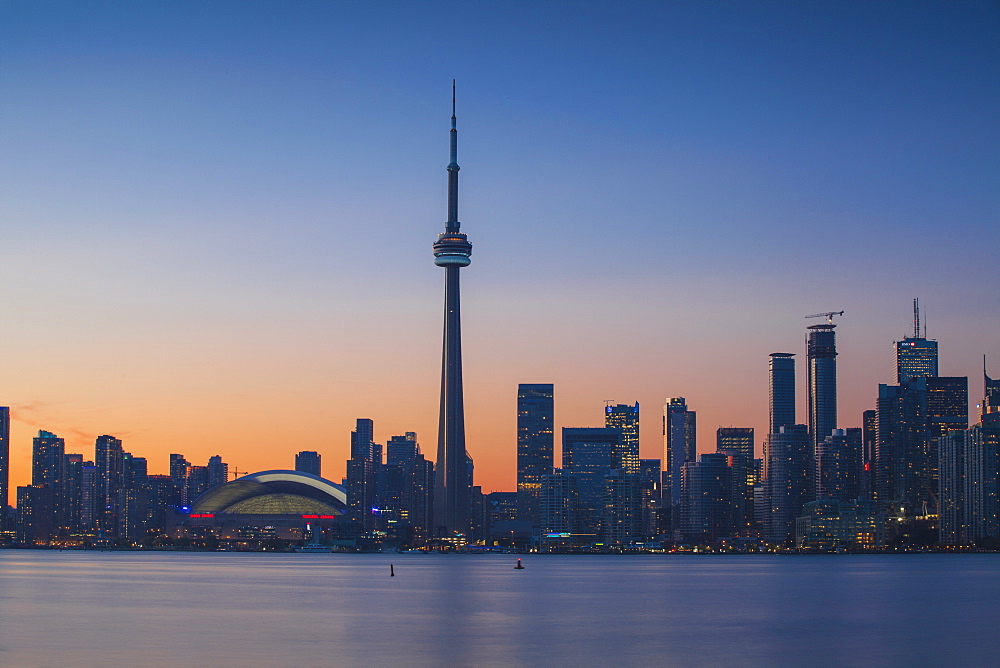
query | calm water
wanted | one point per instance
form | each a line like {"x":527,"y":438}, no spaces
{"x":225,"y":609}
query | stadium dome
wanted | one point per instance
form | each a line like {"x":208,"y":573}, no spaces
{"x":274,"y":493}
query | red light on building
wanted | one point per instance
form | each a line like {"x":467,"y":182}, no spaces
{"x":310,"y":517}
{"x":201,"y":515}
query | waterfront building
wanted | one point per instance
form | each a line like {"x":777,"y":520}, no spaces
{"x":869,"y":438}
{"x":251,"y":510}
{"x":621,"y":519}
{"x":452,"y":251}
{"x":362,"y":475}
{"x":781,"y":374}
{"x":590,"y":454}
{"x":88,"y":497}
{"x":821,"y":347}
{"x":911,"y":419}
{"x":73,"y":492}
{"x":829,"y":524}
{"x":789,"y":482}
{"x":308,"y":461}
{"x":679,"y":446}
{"x":109,"y":460}
{"x":35,"y":515}
{"x":838,"y":466}
{"x":406,"y":486}
{"x":535,"y":445}
{"x":48,"y":472}
{"x":559,"y":505}
{"x":4,"y":462}
{"x":625,"y":418}
{"x":707,"y":503}
{"x":650,"y":502}
{"x":982,"y":480}
{"x":953,"y":521}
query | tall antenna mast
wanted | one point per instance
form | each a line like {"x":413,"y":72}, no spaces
{"x":916,"y":318}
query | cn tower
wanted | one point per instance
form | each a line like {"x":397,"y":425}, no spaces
{"x":452,"y":251}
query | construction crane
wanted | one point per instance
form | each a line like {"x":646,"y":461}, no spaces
{"x":828,"y":315}
{"x":237,"y":473}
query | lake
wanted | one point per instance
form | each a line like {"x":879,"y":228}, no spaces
{"x":226,"y":609}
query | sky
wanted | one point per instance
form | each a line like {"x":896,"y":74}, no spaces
{"x":217,"y":217}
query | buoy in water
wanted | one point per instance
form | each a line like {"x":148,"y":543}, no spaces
{"x":519,"y":566}
{"x":392,"y":572}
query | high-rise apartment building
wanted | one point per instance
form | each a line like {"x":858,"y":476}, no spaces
{"x":781,"y":371}
{"x":821,"y":348}
{"x":839,"y":465}
{"x":362,"y":475}
{"x":625,"y":418}
{"x":308,"y":461}
{"x":4,"y":460}
{"x":789,"y":482}
{"x":679,"y":447}
{"x":109,"y":459}
{"x":707,"y":512}
{"x":590,"y":454}
{"x":48,"y":470}
{"x":535,"y":445}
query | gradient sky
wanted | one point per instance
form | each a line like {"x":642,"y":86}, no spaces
{"x":217,"y":217}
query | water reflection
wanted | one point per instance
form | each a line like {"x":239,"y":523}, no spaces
{"x":93,"y":608}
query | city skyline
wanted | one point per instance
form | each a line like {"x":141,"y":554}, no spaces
{"x":185,"y":270}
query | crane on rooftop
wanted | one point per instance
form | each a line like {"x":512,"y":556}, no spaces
{"x":828,"y":315}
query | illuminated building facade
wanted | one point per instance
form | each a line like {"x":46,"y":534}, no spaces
{"x":590,"y":454}
{"x":535,"y":446}
{"x":707,"y":512}
{"x":625,"y":418}
{"x":4,"y":462}
{"x":789,"y":482}
{"x":679,"y":445}
{"x":827,"y":525}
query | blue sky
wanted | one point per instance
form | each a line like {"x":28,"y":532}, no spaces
{"x":224,"y":206}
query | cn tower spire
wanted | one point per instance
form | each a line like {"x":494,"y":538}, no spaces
{"x":452,"y":225}
{"x":452,"y":251}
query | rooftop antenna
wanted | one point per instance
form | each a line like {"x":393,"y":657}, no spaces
{"x":916,"y":318}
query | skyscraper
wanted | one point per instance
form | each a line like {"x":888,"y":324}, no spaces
{"x":789,"y":482}
{"x":782,"y":394}
{"x":679,"y":445}
{"x":625,"y":419}
{"x":821,"y":347}
{"x":590,"y":454}
{"x":452,"y":507}
{"x":915,"y":355}
{"x":109,"y":460}
{"x":535,"y":446}
{"x":4,"y":460}
{"x":362,"y":474}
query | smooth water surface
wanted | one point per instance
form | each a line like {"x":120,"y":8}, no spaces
{"x":228,"y":609}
